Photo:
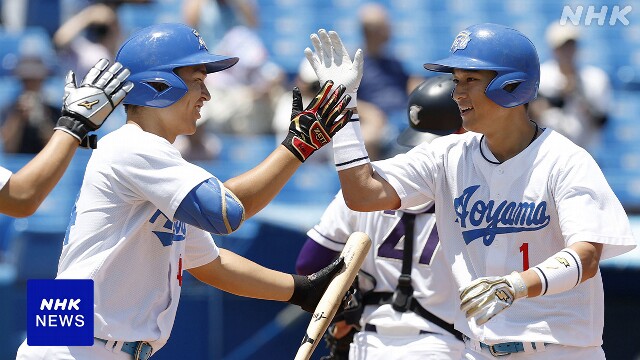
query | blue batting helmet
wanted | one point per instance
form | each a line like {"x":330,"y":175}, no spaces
{"x":153,"y":53}
{"x":503,"y":50}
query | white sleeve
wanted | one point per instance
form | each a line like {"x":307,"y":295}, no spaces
{"x":412,"y":175}
{"x":200,"y":248}
{"x":5,"y":174}
{"x":597,"y":88}
{"x":335,"y":226}
{"x":588,"y":210}
{"x":158,"y":174}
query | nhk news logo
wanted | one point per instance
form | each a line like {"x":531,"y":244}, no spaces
{"x":60,"y":312}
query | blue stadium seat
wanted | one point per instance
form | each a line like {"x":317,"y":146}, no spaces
{"x":135,"y":16}
{"x":311,"y":184}
{"x":244,"y":151}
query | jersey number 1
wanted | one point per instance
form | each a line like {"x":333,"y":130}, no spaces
{"x":524,"y":249}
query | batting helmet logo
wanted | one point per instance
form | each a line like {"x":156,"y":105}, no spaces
{"x":414,"y":110}
{"x":461,"y":41}
{"x":203,"y":46}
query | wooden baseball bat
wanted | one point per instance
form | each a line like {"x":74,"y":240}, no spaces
{"x":354,"y":252}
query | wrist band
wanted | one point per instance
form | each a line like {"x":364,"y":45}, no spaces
{"x":560,"y":272}
{"x":348,"y":146}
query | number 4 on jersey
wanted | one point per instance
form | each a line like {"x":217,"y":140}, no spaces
{"x":388,"y":248}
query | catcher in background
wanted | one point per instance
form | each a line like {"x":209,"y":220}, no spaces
{"x":406,"y":306}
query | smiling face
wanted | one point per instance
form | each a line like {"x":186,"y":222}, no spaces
{"x":469,"y":93}
{"x":183,"y":114}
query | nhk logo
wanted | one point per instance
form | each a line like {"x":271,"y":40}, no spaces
{"x":56,"y":319}
{"x":574,"y":15}
{"x":60,"y":312}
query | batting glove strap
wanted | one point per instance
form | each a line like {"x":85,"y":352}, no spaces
{"x":308,"y":290}
{"x":560,"y":272}
{"x":348,"y":146}
{"x":303,"y":146}
{"x":517,"y":283}
{"x":77,"y":129}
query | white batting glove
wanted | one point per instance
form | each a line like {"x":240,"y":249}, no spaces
{"x":85,"y":108}
{"x":331,"y":61}
{"x":486,"y":297}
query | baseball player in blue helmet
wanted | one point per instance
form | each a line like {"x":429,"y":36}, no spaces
{"x":524,"y":215}
{"x":84,"y":109}
{"x":144,"y":214}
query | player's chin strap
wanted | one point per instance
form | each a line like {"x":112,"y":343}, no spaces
{"x":402,"y":298}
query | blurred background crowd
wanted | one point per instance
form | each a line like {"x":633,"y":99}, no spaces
{"x":589,"y":91}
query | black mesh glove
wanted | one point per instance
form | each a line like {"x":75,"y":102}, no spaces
{"x":314,"y":127}
{"x":308,"y":290}
{"x":85,"y":108}
{"x":338,"y":348}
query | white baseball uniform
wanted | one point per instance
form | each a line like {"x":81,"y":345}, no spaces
{"x":5,"y":174}
{"x":431,"y":279}
{"x":494,"y":218}
{"x":123,"y":236}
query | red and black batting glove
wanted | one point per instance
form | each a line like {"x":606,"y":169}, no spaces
{"x":314,"y":127}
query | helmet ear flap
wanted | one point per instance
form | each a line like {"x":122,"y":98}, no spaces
{"x":511,"y":88}
{"x":156,"y":89}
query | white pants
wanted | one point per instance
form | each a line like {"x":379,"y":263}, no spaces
{"x":551,"y":352}
{"x":96,"y":352}
{"x":373,"y":346}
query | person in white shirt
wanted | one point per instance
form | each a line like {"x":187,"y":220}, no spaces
{"x":524,"y":215}
{"x":573,"y":99}
{"x":144,"y":214}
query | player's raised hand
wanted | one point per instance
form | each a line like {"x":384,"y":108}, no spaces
{"x":331,"y":61}
{"x":85,"y":108}
{"x":486,"y":297}
{"x":314,"y":127}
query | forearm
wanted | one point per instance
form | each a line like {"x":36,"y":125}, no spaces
{"x":258,"y":186}
{"x":237,"y":275}
{"x":364,"y":190}
{"x":27,"y":188}
{"x":589,"y":260}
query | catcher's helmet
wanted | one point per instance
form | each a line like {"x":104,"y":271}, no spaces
{"x":432,"y":112}
{"x":503,"y":50}
{"x":153,"y":53}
